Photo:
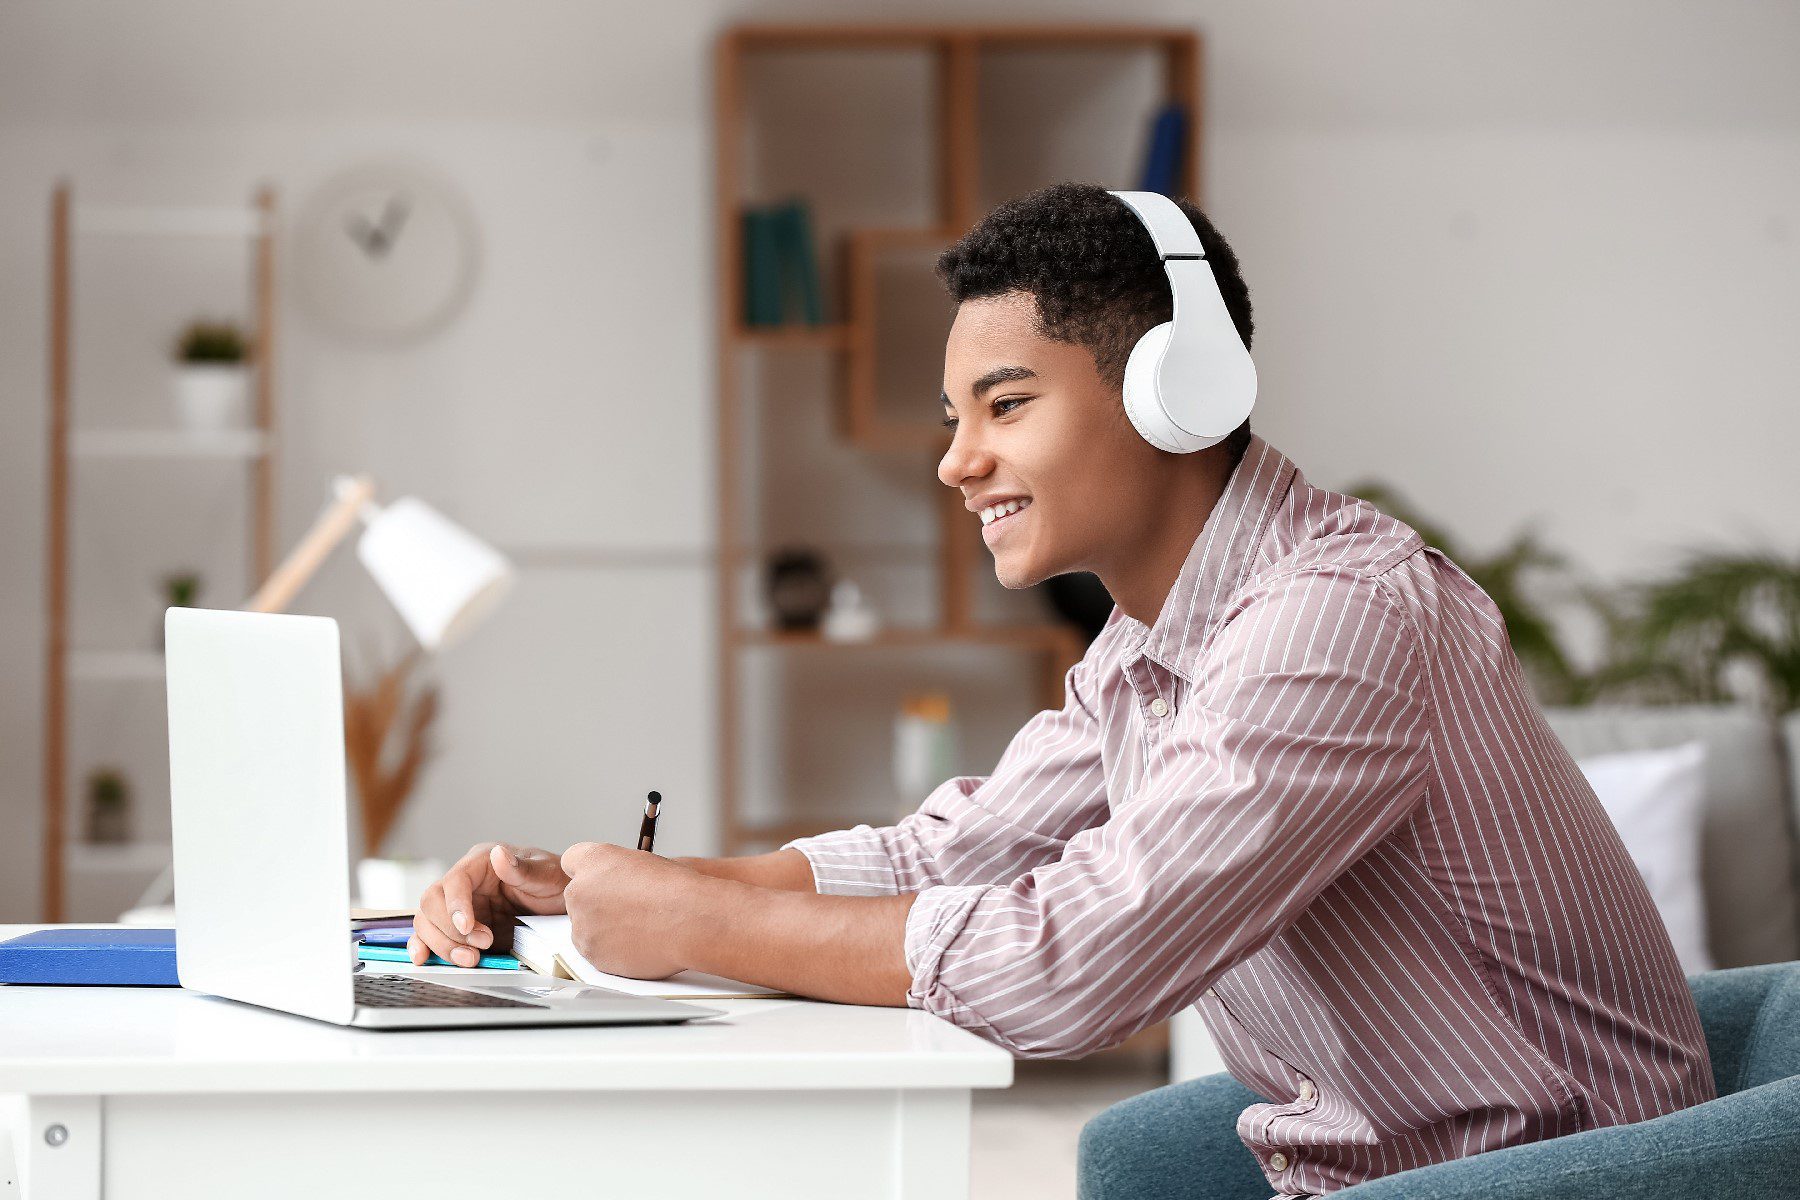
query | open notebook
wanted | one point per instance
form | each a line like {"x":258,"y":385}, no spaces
{"x":547,"y":946}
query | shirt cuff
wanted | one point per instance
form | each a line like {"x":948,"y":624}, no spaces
{"x":937,"y":916}
{"x":850,"y":862}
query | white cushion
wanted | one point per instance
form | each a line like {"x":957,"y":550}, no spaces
{"x":1653,"y":798}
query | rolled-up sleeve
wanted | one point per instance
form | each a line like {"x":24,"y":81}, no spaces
{"x":1302,"y":742}
{"x":1047,"y":786}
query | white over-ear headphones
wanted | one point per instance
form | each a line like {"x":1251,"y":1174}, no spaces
{"x":1189,"y":381}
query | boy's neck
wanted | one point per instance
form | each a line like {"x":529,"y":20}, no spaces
{"x":1143,"y":576}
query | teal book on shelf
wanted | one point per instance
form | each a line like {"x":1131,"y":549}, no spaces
{"x":781,"y":266}
{"x":800,"y":262}
{"x":762,"y":267}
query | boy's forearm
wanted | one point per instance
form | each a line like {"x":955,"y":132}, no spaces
{"x":850,"y":949}
{"x":784,"y":870}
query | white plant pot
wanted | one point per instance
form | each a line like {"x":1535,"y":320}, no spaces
{"x":211,"y":396}
{"x":395,"y":882}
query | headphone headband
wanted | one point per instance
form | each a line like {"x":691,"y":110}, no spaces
{"x":1189,"y":381}
{"x":1169,"y":227}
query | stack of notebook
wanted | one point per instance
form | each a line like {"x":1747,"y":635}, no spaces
{"x":547,"y":946}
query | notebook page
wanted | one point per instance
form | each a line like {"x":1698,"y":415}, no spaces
{"x":556,"y":931}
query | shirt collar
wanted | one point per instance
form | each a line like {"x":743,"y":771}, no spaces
{"x":1221,"y":557}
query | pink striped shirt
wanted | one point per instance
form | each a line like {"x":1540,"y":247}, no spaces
{"x":1316,"y":800}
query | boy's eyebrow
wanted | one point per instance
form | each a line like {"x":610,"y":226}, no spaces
{"x":998,"y":375}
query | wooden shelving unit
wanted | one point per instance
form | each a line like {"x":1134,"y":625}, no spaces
{"x":957,"y":56}
{"x":174,"y":450}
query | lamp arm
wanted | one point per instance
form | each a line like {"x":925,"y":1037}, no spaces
{"x":304,"y":560}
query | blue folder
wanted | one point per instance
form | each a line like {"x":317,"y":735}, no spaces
{"x":133,"y":957}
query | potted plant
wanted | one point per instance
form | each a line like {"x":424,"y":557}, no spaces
{"x":211,"y":379}
{"x":181,"y":589}
{"x":1722,"y":625}
{"x":108,"y":807}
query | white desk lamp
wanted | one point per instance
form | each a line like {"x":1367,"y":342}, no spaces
{"x":441,"y":578}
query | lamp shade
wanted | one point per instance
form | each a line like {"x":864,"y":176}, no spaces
{"x":441,"y":578}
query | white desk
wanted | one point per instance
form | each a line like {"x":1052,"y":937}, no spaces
{"x":167,"y":1093}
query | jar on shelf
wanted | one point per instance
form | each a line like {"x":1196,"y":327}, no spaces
{"x":924,"y":747}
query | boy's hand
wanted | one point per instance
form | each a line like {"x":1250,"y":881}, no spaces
{"x":471,"y":909}
{"x":630,"y":910}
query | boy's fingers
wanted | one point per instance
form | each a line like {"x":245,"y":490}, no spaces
{"x":438,"y":943}
{"x":432,"y":922}
{"x":531,"y":871}
{"x":459,"y":899}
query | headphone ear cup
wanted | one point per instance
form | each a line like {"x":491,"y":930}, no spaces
{"x":1143,"y":398}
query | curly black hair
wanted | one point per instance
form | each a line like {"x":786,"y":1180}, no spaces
{"x":1093,"y":270}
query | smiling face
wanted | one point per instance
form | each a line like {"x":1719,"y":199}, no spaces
{"x":1042,"y":442}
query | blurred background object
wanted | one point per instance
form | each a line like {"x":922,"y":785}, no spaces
{"x":924,"y":748}
{"x":108,"y":808}
{"x":1717,"y":627}
{"x":212,"y":379}
{"x":440,"y":578}
{"x":387,"y":728}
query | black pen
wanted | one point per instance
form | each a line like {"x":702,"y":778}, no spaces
{"x":647,"y":831}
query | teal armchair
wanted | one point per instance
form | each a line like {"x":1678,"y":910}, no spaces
{"x":1180,"y":1142}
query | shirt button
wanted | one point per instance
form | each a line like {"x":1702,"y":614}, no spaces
{"x":1213,"y":993}
{"x":1278,"y":1161}
{"x":1159,"y":707}
{"x":1306,"y":1090}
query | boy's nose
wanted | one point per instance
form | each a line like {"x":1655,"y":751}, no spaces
{"x":964,"y":460}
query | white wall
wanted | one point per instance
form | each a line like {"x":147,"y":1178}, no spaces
{"x":1532,"y":262}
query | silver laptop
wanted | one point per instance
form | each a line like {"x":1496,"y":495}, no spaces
{"x":262,"y":858}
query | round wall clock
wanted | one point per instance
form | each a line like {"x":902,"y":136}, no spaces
{"x":384,"y":253}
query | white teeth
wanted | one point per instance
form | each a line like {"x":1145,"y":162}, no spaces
{"x":1005,"y":508}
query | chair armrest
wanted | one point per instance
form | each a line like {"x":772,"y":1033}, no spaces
{"x":1742,"y":1145}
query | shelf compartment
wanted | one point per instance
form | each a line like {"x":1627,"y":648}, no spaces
{"x":784,"y":36}
{"x":252,"y":447}
{"x":1023,"y":637}
{"x":774,"y":833}
{"x":793,"y":337}
{"x":144,"y":665}
{"x":881,"y":351}
{"x":170,"y":443}
{"x":119,"y":858}
{"x":1049,"y":111}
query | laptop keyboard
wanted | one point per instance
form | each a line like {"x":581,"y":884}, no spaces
{"x":404,"y":991}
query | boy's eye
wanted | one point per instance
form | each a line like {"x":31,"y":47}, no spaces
{"x":999,"y":408}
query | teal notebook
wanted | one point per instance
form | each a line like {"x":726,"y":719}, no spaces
{"x":368,"y":953}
